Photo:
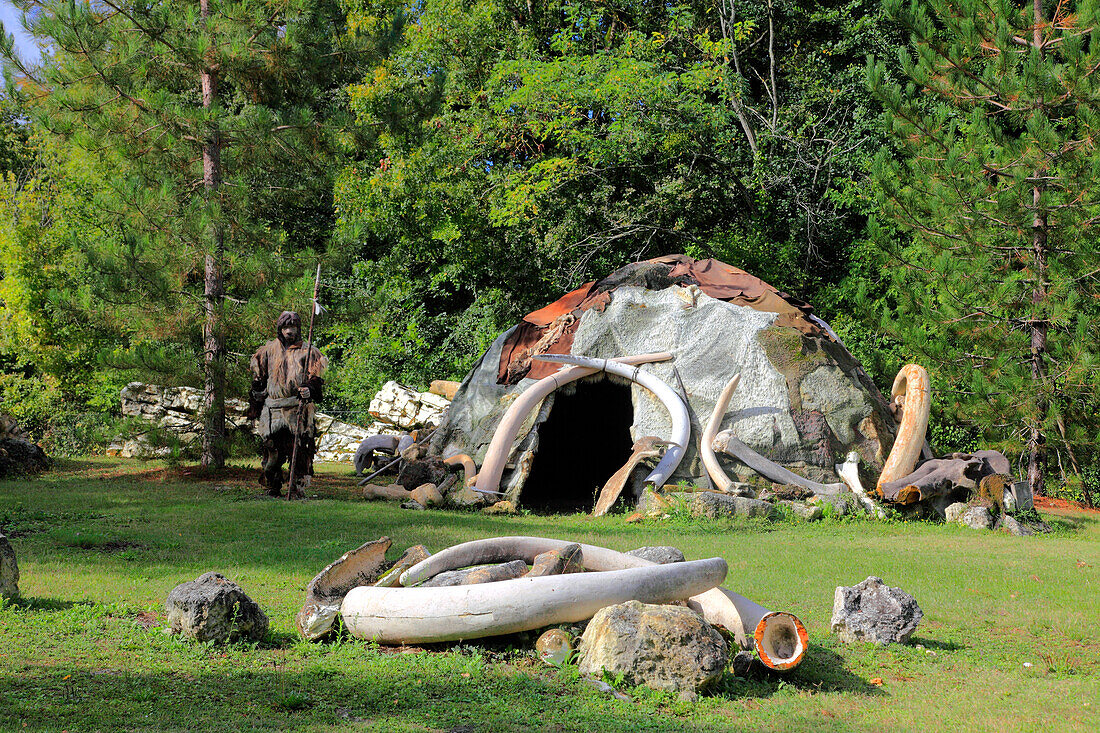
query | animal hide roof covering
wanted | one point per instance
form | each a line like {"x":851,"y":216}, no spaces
{"x":550,"y":330}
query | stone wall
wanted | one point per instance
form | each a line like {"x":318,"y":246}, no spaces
{"x":175,"y":410}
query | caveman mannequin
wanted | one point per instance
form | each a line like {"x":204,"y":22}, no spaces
{"x":279,"y":386}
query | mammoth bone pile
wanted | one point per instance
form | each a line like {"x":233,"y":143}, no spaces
{"x":507,"y":585}
{"x":910,"y":478}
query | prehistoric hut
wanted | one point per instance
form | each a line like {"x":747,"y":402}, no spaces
{"x":804,"y":401}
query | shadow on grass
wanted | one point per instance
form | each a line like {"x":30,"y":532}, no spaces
{"x":391,"y":697}
{"x":943,"y":646}
{"x":1065,"y":524}
{"x":822,"y":670}
{"x":46,"y":604}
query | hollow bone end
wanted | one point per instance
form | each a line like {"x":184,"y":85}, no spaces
{"x":781,"y":640}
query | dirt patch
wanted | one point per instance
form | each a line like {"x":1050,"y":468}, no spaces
{"x":146,"y":620}
{"x":1049,"y":502}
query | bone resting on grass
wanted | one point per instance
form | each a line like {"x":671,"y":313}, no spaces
{"x":496,"y":456}
{"x":779,"y":638}
{"x":452,"y":613}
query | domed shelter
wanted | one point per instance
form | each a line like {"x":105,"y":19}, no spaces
{"x":804,"y":401}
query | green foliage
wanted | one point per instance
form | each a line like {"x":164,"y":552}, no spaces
{"x":525,"y":151}
{"x":994,"y":285}
{"x":164,"y":222}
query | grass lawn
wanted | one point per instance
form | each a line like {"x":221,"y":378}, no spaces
{"x":1010,"y":638}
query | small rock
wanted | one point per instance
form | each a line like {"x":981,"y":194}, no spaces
{"x":714,"y":506}
{"x":554,"y":647}
{"x":9,"y":570}
{"x":663,"y":647}
{"x":805,"y":512}
{"x":214,"y":608}
{"x":418,"y":471}
{"x":873,"y":611}
{"x":19,"y":457}
{"x":954,"y":512}
{"x":842,"y":505}
{"x":501,"y":507}
{"x":427,"y":495}
{"x":557,"y":562}
{"x":977,"y":517}
{"x":651,"y":503}
{"x":479,"y":574}
{"x":416,"y":506}
{"x":1010,"y":525}
{"x":745,"y":664}
{"x":659,"y":555}
{"x":790,"y":492}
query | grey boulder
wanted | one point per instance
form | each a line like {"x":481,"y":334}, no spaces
{"x":716,"y":506}
{"x":214,"y":608}
{"x":954,"y":512}
{"x":977,"y":517}
{"x":663,"y":647}
{"x":873,"y":611}
{"x":9,"y":570}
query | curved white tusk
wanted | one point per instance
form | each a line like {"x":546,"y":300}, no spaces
{"x":779,"y":638}
{"x":488,"y":480}
{"x":710,"y":460}
{"x":913,"y":384}
{"x":677,"y":410}
{"x":426,"y":615}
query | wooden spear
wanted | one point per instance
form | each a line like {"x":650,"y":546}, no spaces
{"x":301,"y":419}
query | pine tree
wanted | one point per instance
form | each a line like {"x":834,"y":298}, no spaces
{"x":205,"y":113}
{"x":997,"y":282}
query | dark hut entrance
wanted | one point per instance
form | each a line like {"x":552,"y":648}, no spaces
{"x":583,"y":442}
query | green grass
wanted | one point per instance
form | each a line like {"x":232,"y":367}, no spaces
{"x":101,"y":542}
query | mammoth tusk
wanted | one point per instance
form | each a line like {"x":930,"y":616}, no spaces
{"x":779,"y":638}
{"x":725,"y":442}
{"x":710,"y":461}
{"x":469,"y":468}
{"x":913,"y":384}
{"x":488,"y":480}
{"x":677,"y":410}
{"x":426,"y":615}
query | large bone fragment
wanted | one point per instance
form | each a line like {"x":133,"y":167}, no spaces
{"x":677,"y":409}
{"x":488,"y":480}
{"x":427,"y":615}
{"x":647,"y":447}
{"x":779,"y":638}
{"x":943,"y":476}
{"x":912,"y":392}
{"x":849,"y":471}
{"x":326,"y":591}
{"x":726,"y":442}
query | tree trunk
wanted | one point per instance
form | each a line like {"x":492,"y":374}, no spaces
{"x":213,"y":433}
{"x":1036,"y":441}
